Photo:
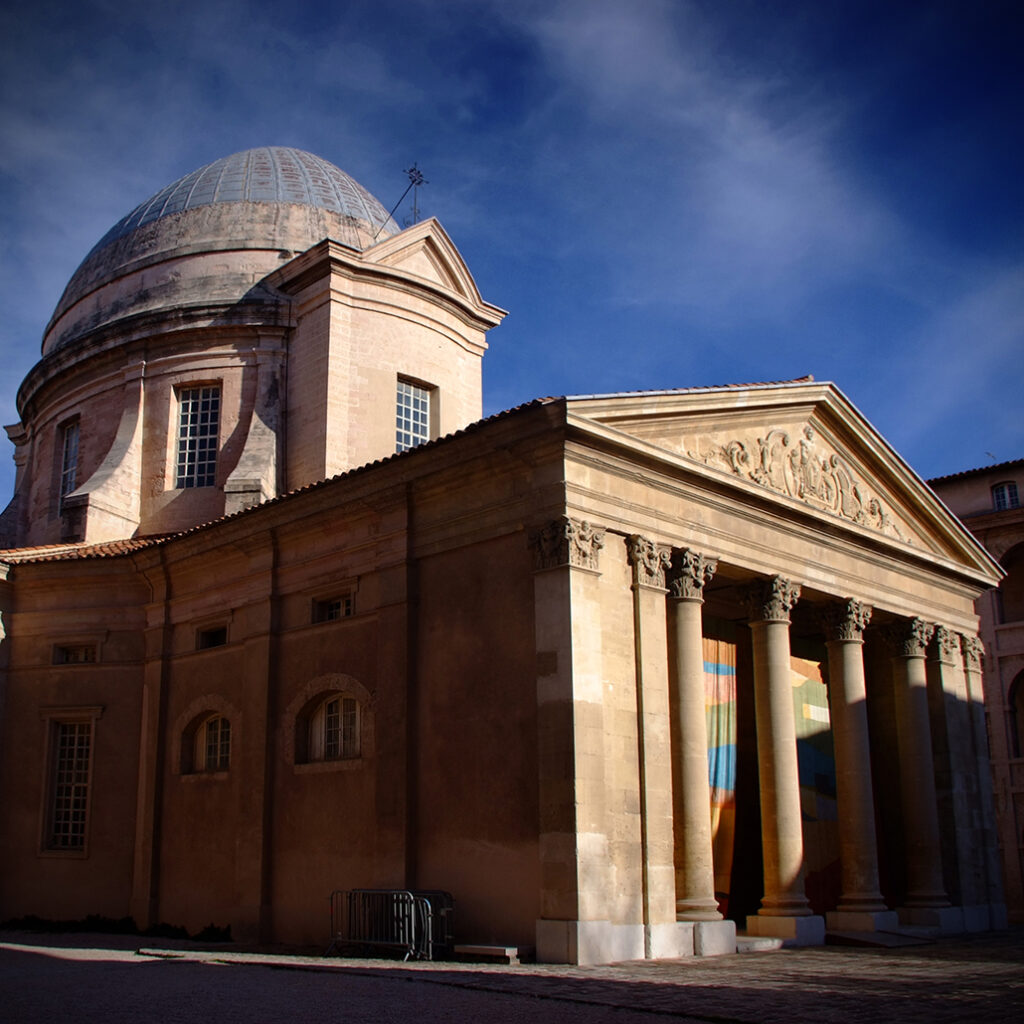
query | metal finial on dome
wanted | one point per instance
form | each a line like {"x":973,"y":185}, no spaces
{"x":415,"y":180}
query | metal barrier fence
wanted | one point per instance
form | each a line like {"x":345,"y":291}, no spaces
{"x":418,"y":923}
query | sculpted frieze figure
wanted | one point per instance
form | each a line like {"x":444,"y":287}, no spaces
{"x":649,"y":561}
{"x":822,"y":479}
{"x":689,"y":571}
{"x":566,"y":541}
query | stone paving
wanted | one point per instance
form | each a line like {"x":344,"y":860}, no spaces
{"x":104,"y":978}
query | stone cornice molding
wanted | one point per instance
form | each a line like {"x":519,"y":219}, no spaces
{"x":845,"y":621}
{"x":909,"y":639}
{"x":565,"y":541}
{"x":688,"y":573}
{"x":772,"y":600}
{"x":649,"y":561}
{"x":973,"y":650}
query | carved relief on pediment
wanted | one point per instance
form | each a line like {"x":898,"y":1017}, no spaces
{"x":803,"y":469}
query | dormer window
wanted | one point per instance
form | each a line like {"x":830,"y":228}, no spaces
{"x":1004,"y":496}
{"x":198,"y":429}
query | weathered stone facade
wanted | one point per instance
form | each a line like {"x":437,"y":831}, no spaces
{"x":478,"y":665}
{"x":987,"y":500}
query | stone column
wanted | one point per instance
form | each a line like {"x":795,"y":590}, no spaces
{"x":971,"y":650}
{"x":663,"y":936}
{"x":691,"y":791}
{"x":926,"y":902}
{"x":573,"y":926}
{"x":785,"y":912}
{"x":861,"y":907}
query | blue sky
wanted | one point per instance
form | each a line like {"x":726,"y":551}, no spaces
{"x":663,"y":193}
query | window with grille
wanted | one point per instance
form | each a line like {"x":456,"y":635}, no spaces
{"x":412,"y":416}
{"x":213,"y":745}
{"x":74,"y":654}
{"x":69,"y":787}
{"x":334,"y":729}
{"x":332,"y":608}
{"x":69,"y":459}
{"x":198,"y":428}
{"x":1004,"y":496}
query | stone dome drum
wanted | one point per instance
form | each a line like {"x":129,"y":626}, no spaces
{"x":271,"y":202}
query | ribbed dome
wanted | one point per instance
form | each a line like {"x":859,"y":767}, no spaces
{"x":273,"y":199}
{"x":271,"y":174}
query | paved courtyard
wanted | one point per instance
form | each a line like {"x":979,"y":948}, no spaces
{"x":88,"y":978}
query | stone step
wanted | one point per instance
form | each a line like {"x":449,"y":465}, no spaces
{"x":757,"y":943}
{"x":884,"y":940}
{"x":488,"y":954}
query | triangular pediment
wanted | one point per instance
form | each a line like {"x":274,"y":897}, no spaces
{"x":802,"y":442}
{"x":426,"y":251}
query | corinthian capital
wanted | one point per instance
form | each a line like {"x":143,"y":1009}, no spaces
{"x":947,"y":644}
{"x":909,"y":639}
{"x":649,"y":561}
{"x":689,"y":572}
{"x":846,"y":621}
{"x":972,"y":649}
{"x":566,"y":541}
{"x":772,"y":600}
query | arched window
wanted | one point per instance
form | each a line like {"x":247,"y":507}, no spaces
{"x":330,"y":731}
{"x":206,"y":746}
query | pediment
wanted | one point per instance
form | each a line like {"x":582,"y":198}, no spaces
{"x":801,"y":441}
{"x":426,"y":251}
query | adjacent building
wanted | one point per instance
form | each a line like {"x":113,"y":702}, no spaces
{"x":283,"y":615}
{"x":987,"y":500}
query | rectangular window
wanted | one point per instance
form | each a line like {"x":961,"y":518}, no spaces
{"x":412,"y":416}
{"x":1004,"y":496}
{"x":69,"y":459}
{"x":218,"y":745}
{"x":333,"y":608}
{"x":74,"y":654}
{"x":198,"y":429}
{"x":341,"y":728}
{"x":217,"y":636}
{"x":69,"y":786}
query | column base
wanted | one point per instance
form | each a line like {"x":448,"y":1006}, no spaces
{"x":714,"y":938}
{"x":938,"y":920}
{"x":984,"y":917}
{"x":862,"y":920}
{"x":808,"y":930}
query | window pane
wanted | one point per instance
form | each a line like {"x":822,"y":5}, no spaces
{"x":412,"y":419}
{"x":69,"y":460}
{"x":72,"y":741}
{"x":198,"y":429}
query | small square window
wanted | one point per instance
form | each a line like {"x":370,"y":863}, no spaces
{"x":215,"y":637}
{"x":74,"y":654}
{"x":333,"y":608}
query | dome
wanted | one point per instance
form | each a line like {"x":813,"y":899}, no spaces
{"x":272,"y":199}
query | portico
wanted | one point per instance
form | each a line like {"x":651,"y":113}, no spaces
{"x":810,"y":570}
